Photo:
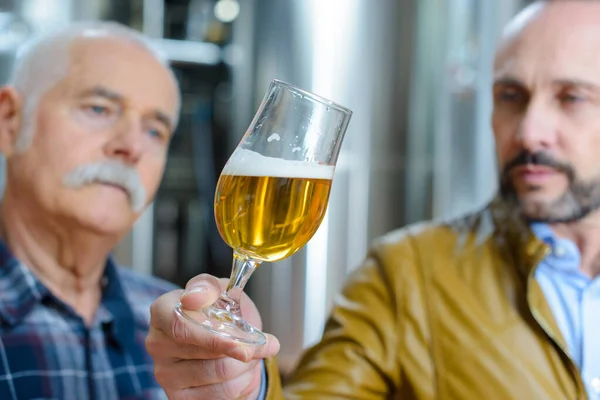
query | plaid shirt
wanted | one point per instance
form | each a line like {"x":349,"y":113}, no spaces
{"x":48,"y":352}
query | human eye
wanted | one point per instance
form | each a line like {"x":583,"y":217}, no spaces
{"x":571,"y":98}
{"x":509,"y":94}
{"x":158,"y":133}
{"x":98,"y":110}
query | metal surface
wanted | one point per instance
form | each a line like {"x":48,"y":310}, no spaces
{"x":153,"y":18}
{"x":358,"y":55}
{"x":464,"y":160}
{"x":190,"y":52}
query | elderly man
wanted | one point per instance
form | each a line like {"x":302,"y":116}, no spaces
{"x":501,"y":304}
{"x":85,"y":125}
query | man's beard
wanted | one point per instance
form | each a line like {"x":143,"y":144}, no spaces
{"x":579,"y":199}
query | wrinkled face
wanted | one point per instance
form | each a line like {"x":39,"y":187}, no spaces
{"x":101,"y":137}
{"x":546,"y":116}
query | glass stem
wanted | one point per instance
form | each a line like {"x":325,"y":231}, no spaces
{"x":242,"y":269}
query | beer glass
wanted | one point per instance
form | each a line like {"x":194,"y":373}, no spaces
{"x":272,"y":194}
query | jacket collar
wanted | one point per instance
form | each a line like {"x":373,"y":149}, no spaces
{"x":516,"y":239}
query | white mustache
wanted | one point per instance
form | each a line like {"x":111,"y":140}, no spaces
{"x":111,"y":172}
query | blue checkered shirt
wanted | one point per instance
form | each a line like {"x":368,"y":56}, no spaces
{"x":48,"y":352}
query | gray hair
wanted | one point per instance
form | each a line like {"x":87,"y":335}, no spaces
{"x":44,"y":60}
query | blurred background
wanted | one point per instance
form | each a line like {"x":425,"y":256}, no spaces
{"x":416,"y":73}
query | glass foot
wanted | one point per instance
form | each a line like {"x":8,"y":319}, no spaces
{"x":224,"y":323}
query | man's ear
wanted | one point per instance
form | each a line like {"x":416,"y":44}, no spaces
{"x":11,"y":112}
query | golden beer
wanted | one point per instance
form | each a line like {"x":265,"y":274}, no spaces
{"x":269,"y":218}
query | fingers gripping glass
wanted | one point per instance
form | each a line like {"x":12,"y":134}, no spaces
{"x":272,"y":194}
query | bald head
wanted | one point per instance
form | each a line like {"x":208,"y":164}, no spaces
{"x":44,"y":61}
{"x":552,"y":30}
{"x":552,"y":17}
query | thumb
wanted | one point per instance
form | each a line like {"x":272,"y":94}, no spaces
{"x":200,"y":292}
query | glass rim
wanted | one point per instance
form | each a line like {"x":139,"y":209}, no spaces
{"x":313,"y":96}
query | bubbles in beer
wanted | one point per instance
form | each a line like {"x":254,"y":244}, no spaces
{"x":245,"y":162}
{"x":274,"y":136}
{"x":268,"y":208}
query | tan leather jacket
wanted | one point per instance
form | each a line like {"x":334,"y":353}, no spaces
{"x":442,"y":311}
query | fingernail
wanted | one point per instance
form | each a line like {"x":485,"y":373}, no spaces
{"x":197,"y":289}
{"x":238,"y":353}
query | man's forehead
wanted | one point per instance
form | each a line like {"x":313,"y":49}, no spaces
{"x":124,"y":68}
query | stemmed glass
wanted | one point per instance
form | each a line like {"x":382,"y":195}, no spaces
{"x":272,"y":194}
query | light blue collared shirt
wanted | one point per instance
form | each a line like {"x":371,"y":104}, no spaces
{"x":575,"y":302}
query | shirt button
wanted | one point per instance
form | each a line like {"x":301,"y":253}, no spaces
{"x":560,"y":251}
{"x":595,"y":384}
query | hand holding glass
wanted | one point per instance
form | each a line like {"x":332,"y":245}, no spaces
{"x":272,"y":194}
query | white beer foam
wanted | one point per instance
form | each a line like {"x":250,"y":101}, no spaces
{"x":245,"y":162}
